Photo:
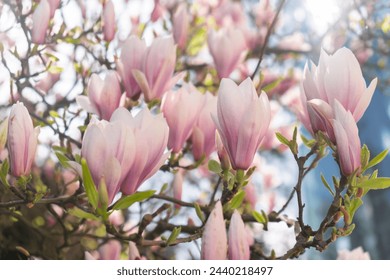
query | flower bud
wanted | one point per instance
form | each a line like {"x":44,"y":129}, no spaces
{"x":108,"y":21}
{"x":238,"y":238}
{"x":181,"y":26}
{"x":22,"y":140}
{"x":214,"y":240}
{"x":40,"y":18}
{"x":181,"y":109}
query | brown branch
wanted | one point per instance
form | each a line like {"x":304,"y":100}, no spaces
{"x":267,"y":36}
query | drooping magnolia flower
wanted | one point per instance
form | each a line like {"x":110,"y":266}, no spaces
{"x":109,"y":149}
{"x":158,"y":66}
{"x":214,"y":240}
{"x":151,"y":134}
{"x":355,"y":254}
{"x":203,"y":134}
{"x":242,"y":120}
{"x":338,"y":77}
{"x":40,"y":18}
{"x":181,"y":24}
{"x":108,"y":21}
{"x":238,"y":238}
{"x":131,"y":58}
{"x":347,"y":140}
{"x":181,"y":109}
{"x":103,"y":95}
{"x":226,"y":59}
{"x":22,"y":140}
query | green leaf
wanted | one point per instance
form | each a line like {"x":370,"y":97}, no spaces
{"x":63,"y":159}
{"x":375,"y":184}
{"x":270,"y":86}
{"x":365,"y":156}
{"x":175,"y":232}
{"x":197,"y":41}
{"x":164,"y":188}
{"x":77,"y":212}
{"x":259,"y":217}
{"x":3,"y":133}
{"x":126,"y":201}
{"x":354,"y":206}
{"x":327,"y":185}
{"x":199,"y":212}
{"x":308,"y":143}
{"x":282,"y":139}
{"x":4,"y":172}
{"x":89,"y":185}
{"x":54,"y":114}
{"x":376,"y":160}
{"x":237,"y":200}
{"x":214,"y":166}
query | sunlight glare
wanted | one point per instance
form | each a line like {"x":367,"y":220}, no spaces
{"x":324,"y":13}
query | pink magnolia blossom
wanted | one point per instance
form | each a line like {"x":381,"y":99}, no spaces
{"x":151,"y":134}
{"x":229,"y":13}
{"x":158,"y":66}
{"x":22,"y":140}
{"x":214,"y":240}
{"x":226,"y":59}
{"x":109,"y":149}
{"x":181,"y":25}
{"x":177,"y":186}
{"x":242,"y":120}
{"x":181,"y":109}
{"x":53,"y":6}
{"x":131,"y":58}
{"x":203,"y":135}
{"x":40,"y":18}
{"x":338,"y":77}
{"x":111,"y":250}
{"x":238,"y":239}
{"x":109,"y":21}
{"x":321,"y":115}
{"x":103,"y":95}
{"x":158,"y":11}
{"x":355,"y":254}
{"x":133,"y":252}
{"x":347,"y":140}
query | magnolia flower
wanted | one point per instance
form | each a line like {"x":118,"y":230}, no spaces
{"x":103,"y":95}
{"x":40,"y":18}
{"x":203,"y":135}
{"x":355,"y":254}
{"x":53,"y":6}
{"x":181,"y":109}
{"x":108,"y":21}
{"x":238,"y":238}
{"x":242,"y":120}
{"x":181,"y":24}
{"x":151,"y":134}
{"x":158,"y":66}
{"x":109,"y":149}
{"x":214,"y":240}
{"x":177,"y":185}
{"x":347,"y":140}
{"x":338,"y":77}
{"x":22,"y":140}
{"x":111,"y":250}
{"x":226,"y":59}
{"x":131,"y":58}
